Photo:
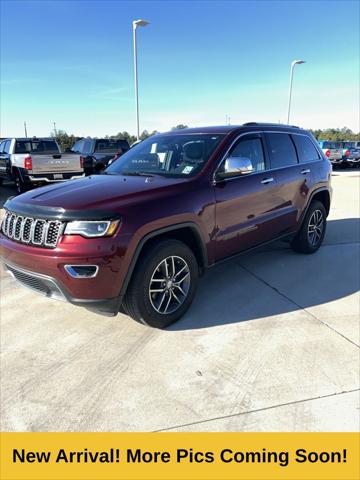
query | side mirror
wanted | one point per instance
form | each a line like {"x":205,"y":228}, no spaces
{"x":236,"y":166}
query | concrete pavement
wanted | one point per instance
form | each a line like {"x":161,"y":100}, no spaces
{"x":270,"y":343}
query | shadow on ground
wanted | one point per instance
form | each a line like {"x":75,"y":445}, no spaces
{"x":275,"y":280}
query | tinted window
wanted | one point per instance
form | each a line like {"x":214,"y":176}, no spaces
{"x":108,"y":145}
{"x":250,"y":148}
{"x":282,"y":150}
{"x":305,"y":149}
{"x":2,"y":146}
{"x":176,"y":155}
{"x":6,"y":147}
{"x":36,"y":146}
{"x":331,"y":145}
{"x":87,"y":146}
{"x":78,"y":147}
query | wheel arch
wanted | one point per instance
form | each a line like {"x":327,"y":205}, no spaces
{"x":323,"y":195}
{"x":188,"y":233}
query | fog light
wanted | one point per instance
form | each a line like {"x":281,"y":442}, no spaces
{"x":82,"y":271}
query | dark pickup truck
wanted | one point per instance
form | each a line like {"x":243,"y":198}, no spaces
{"x":139,"y":235}
{"x":98,"y":153}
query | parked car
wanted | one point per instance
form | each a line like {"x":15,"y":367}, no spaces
{"x":97,"y":153}
{"x":171,"y":207}
{"x":332,"y":150}
{"x":351,"y":153}
{"x":31,"y":162}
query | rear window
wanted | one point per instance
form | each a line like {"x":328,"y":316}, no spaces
{"x":282,"y":150}
{"x":36,"y":146}
{"x":109,"y":146}
{"x":305,"y":149}
{"x":331,"y":145}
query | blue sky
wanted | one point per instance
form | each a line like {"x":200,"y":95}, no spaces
{"x":71,"y":62}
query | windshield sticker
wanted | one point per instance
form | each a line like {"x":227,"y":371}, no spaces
{"x":187,"y":169}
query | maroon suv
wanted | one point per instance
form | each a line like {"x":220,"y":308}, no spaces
{"x":139,"y":235}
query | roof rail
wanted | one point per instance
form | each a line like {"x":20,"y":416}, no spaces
{"x":248,"y":124}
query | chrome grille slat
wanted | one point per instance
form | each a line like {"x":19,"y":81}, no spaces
{"x":35,"y":231}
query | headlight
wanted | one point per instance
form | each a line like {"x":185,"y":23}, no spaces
{"x":92,"y":229}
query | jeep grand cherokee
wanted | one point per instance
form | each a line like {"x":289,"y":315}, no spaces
{"x":139,"y":235}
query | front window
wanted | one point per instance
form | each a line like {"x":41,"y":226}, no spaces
{"x":177,"y":155}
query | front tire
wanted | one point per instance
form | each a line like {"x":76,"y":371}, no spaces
{"x":312,"y":231}
{"x":163,"y":285}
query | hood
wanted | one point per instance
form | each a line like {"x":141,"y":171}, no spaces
{"x":95,"y":197}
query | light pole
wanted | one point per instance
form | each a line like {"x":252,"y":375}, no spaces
{"x":295,"y":62}
{"x":137,"y":23}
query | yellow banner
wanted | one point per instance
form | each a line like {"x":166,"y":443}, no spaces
{"x":104,"y":456}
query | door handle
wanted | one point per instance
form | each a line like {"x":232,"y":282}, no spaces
{"x":305,"y":171}
{"x":267,"y":180}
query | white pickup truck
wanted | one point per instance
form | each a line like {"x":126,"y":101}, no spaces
{"x":31,"y":162}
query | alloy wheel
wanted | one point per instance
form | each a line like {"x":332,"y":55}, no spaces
{"x":315,"y":227}
{"x":169,"y":285}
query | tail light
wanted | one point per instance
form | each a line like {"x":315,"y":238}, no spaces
{"x":28,"y":163}
{"x":327,"y":153}
{"x":347,"y":153}
{"x":81,"y":162}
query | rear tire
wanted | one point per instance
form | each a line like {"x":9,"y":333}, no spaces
{"x":312,"y":231}
{"x":163,"y":284}
{"x":19,"y":184}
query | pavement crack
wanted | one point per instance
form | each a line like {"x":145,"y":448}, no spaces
{"x":271,"y":407}
{"x":296,"y":304}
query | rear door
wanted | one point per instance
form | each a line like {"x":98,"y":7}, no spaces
{"x":247,"y":206}
{"x":294,"y":179}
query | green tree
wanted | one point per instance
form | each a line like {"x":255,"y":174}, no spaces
{"x":64,"y":140}
{"x":335,"y":134}
{"x":179,"y":127}
{"x":125,"y":136}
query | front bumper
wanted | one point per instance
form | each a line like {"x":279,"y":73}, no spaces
{"x":48,"y":287}
{"x":43,"y":270}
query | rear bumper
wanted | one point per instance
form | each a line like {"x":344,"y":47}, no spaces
{"x":49,"y":287}
{"x":49,"y":178}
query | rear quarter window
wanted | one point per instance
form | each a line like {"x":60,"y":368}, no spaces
{"x":282,"y":150}
{"x":305,"y":149}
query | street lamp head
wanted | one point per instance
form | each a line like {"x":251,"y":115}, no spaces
{"x":140,"y":23}
{"x":298,"y":62}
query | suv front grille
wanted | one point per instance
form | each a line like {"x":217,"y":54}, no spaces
{"x":35,"y":231}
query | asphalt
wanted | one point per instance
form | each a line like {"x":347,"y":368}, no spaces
{"x":271,"y":343}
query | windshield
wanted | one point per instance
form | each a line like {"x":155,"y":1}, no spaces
{"x":178,"y":155}
{"x":36,"y":146}
{"x":349,"y":144}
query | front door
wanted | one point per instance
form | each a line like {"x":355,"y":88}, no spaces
{"x":247,"y":205}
